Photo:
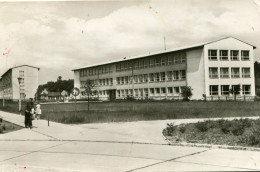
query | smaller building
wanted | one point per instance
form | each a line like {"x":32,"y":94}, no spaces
{"x":11,"y":89}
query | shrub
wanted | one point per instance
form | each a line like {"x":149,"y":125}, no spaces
{"x":186,"y":93}
{"x":237,"y":128}
{"x":246,"y":122}
{"x":182,"y":129}
{"x":202,"y":126}
{"x":170,"y":129}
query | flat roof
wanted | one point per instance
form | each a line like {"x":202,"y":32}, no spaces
{"x":159,"y":52}
{"x":19,"y":66}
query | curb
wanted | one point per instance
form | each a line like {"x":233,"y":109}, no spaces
{"x":212,"y":146}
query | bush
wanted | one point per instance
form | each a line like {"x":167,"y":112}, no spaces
{"x":170,"y":129}
{"x":182,"y":129}
{"x":202,"y":126}
{"x":237,"y":128}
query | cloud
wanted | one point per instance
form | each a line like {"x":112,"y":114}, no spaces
{"x":55,"y":39}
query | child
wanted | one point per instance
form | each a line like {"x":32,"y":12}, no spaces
{"x":38,"y":111}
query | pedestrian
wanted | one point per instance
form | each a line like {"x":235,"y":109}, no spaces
{"x":27,"y":114}
{"x":38,"y":111}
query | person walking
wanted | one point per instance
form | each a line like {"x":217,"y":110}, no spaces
{"x":27,"y":114}
{"x":38,"y":111}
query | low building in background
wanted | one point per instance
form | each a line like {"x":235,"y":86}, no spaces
{"x":212,"y":69}
{"x":10,"y":87}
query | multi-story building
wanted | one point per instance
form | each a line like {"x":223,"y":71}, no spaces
{"x":9,"y":85}
{"x":211,"y":69}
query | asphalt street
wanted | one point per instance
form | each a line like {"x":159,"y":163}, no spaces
{"x":132,"y":146}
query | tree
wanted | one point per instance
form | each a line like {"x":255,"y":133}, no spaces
{"x":90,"y":89}
{"x":186,"y":93}
{"x":235,"y":90}
{"x":59,"y":78}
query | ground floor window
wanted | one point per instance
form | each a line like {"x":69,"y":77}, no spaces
{"x":177,"y":90}
{"x":163,"y":90}
{"x":118,"y":93}
{"x":146,"y":92}
{"x":246,"y":89}
{"x":157,"y":90}
{"x":213,"y":89}
{"x":170,"y":90}
{"x":224,"y":89}
{"x":152,"y":91}
{"x":136,"y":93}
{"x":236,"y":88}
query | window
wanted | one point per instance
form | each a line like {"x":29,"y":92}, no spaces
{"x":125,"y":66}
{"x":212,"y":55}
{"x":141,"y":64}
{"x":183,"y":58}
{"x":110,"y":69}
{"x":163,"y":90}
{"x":117,"y":80}
{"x":246,"y":72}
{"x":131,"y":93}
{"x":130,"y":79}
{"x":146,"y":63}
{"x":170,"y":60}
{"x":175,"y":75}
{"x":177,"y":90}
{"x":169,"y":76}
{"x":136,"y":92}
{"x":182,"y":74}
{"x":224,"y":72}
{"x":246,"y":89}
{"x":151,"y":62}
{"x":151,"y":77}
{"x":111,"y":81}
{"x":126,"y":80}
{"x":135,"y":79}
{"x":123,"y":93}
{"x":244,"y":55}
{"x":157,"y":61}
{"x":107,"y":81}
{"x":213,"y":89}
{"x":21,"y":73}
{"x":126,"y":93}
{"x":162,"y":76}
{"x":170,"y":91}
{"x":157,"y":90}
{"x":118,"y":93}
{"x":176,"y":59}
{"x":157,"y":77}
{"x":136,"y":64}
{"x":122,"y":80}
{"x":146,"y":92}
{"x":213,"y":72}
{"x":234,"y":54}
{"x":223,"y":54}
{"x":163,"y":62}
{"x":235,"y":72}
{"x":80,"y":73}
{"x":152,"y":91}
{"x":141,"y":92}
{"x":224,"y":89}
{"x":145,"y":77}
{"x":236,"y":88}
{"x":140,"y":78}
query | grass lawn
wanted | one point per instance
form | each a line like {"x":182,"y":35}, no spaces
{"x":6,"y":127}
{"x":140,"y":110}
{"x":243,"y":132}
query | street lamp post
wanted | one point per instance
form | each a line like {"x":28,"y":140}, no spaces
{"x":19,"y":81}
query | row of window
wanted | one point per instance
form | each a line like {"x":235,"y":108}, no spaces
{"x":152,"y":77}
{"x":145,"y":92}
{"x":225,"y":89}
{"x":151,"y":62}
{"x":99,"y":82}
{"x":228,"y":55}
{"x":224,"y":72}
{"x":97,"y":70}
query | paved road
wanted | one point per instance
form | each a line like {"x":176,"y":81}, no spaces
{"x":104,"y":147}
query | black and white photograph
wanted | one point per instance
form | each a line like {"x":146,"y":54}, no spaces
{"x":129,"y":86}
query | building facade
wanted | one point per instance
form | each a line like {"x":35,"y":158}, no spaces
{"x":211,"y":69}
{"x":10,"y":87}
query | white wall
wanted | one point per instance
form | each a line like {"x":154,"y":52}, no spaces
{"x":30,"y":81}
{"x":195,"y":72}
{"x":229,"y":44}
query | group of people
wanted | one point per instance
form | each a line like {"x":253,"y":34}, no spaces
{"x":31,"y":112}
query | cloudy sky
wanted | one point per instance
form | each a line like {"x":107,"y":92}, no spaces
{"x":60,"y":36}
